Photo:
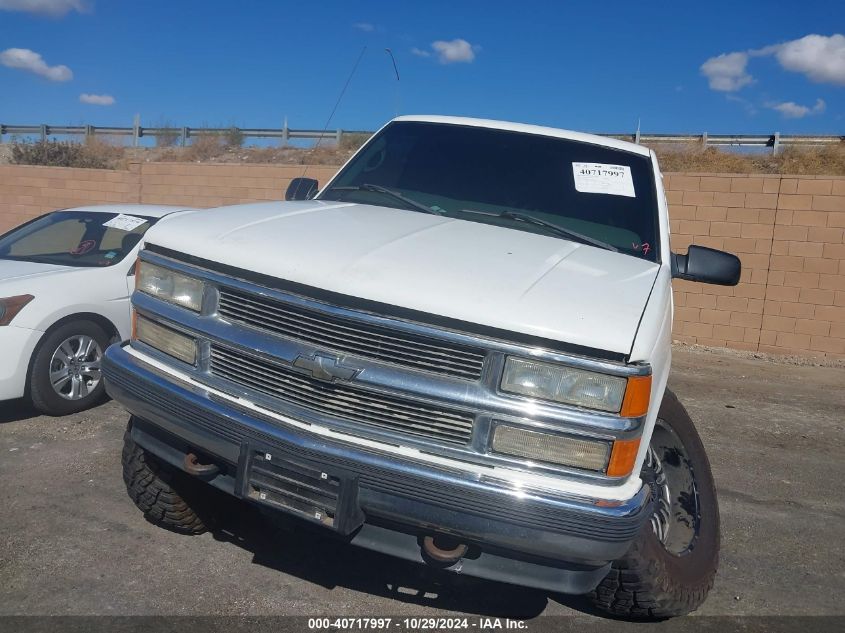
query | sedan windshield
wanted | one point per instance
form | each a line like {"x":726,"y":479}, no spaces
{"x":568,"y":189}
{"x":75,"y":238}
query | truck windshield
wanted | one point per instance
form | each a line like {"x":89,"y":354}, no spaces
{"x":495,"y":176}
{"x":75,"y":238}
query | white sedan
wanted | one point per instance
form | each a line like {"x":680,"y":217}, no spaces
{"x":65,"y":282}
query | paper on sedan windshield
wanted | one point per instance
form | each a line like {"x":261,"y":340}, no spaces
{"x":124,"y":222}
{"x":613,"y":180}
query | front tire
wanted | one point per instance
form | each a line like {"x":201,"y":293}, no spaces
{"x":168,"y":497}
{"x":66,"y":375}
{"x":670,"y":567}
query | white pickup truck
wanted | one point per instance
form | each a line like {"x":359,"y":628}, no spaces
{"x":454,"y":352}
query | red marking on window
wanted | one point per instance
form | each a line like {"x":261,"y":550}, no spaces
{"x":84,"y":247}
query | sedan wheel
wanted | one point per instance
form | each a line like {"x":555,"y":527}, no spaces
{"x":66,"y":374}
{"x":75,"y":367}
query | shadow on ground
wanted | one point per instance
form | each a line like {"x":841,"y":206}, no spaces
{"x":17,"y":410}
{"x":283,"y":544}
{"x":21,"y":409}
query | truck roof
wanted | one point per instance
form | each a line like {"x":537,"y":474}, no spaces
{"x":529,"y":129}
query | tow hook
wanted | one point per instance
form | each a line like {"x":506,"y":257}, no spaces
{"x":443,"y":549}
{"x":193,"y":466}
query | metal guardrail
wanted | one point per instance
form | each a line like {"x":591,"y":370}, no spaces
{"x":176,"y":135}
{"x":776,"y":141}
{"x":181,"y":135}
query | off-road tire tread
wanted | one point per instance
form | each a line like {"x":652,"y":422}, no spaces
{"x":159,"y":490}
{"x":640,"y":586}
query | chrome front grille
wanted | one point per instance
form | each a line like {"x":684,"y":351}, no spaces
{"x":358,"y":338}
{"x":338,"y":401}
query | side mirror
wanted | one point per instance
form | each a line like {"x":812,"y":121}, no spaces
{"x":302,"y":189}
{"x":707,"y":265}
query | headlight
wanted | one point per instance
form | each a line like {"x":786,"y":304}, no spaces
{"x":170,"y":286}
{"x":563,"y":450}
{"x":10,"y":306}
{"x":165,"y":340}
{"x":547,"y":381}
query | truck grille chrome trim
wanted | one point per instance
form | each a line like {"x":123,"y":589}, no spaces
{"x":340,"y":401}
{"x":172,"y":406}
{"x":353,"y":337}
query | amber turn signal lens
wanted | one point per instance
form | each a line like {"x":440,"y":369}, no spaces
{"x":133,"y":333}
{"x":622,"y":457}
{"x":637,"y":396}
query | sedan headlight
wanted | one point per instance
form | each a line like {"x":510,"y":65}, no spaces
{"x":170,"y":286}
{"x":10,"y":306}
{"x":559,"y":383}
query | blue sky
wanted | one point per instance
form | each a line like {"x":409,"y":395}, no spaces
{"x":594,"y":66}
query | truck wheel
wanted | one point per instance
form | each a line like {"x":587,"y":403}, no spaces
{"x":670,"y":567}
{"x":168,"y":497}
{"x":66,"y":375}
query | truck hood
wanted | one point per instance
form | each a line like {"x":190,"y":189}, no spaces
{"x":498,"y":277}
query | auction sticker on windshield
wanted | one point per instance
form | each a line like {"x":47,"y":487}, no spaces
{"x":613,"y":180}
{"x":124,"y":222}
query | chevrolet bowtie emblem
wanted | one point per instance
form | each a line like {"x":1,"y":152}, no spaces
{"x":325,"y":368}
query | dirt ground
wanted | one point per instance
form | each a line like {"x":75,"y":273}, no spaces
{"x":71,"y":542}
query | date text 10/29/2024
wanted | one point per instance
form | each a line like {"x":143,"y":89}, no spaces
{"x":415,"y":624}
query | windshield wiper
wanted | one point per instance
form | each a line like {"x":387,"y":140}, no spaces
{"x":388,"y":192}
{"x":551,"y":228}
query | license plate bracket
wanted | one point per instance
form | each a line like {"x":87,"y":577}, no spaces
{"x":306,"y":489}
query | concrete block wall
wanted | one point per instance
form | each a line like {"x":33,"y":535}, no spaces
{"x":787,"y":230}
{"x":208,"y":185}
{"x":26,"y":192}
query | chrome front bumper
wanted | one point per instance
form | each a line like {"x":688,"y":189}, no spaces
{"x":529,"y":537}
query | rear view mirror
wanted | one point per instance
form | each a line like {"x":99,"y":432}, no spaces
{"x":302,"y":189}
{"x":707,"y":265}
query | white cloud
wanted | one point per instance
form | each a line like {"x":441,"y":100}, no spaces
{"x":455,"y":51}
{"x":727,"y":72}
{"x":819,"y":57}
{"x":101,"y":100}
{"x":450,"y":52}
{"x":25,"y":59}
{"x":51,"y":8}
{"x":364,"y":26}
{"x":792,"y":110}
